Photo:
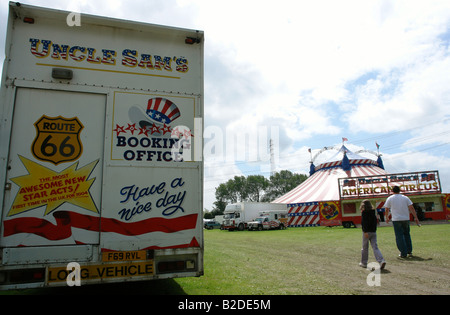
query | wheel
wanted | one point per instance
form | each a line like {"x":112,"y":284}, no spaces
{"x":347,"y":224}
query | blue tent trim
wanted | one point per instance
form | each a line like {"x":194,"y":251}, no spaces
{"x":346,"y":163}
{"x":312,"y":169}
{"x":380,"y":162}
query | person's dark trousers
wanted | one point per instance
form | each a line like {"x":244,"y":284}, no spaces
{"x":402,"y":237}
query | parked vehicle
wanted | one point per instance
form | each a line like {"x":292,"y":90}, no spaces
{"x":99,"y":184}
{"x":236,"y":216}
{"x":209,"y":225}
{"x":269,"y":220}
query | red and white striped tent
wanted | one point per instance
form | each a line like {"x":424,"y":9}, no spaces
{"x":322,"y":185}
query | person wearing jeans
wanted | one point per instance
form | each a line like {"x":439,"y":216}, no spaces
{"x":369,"y":224}
{"x":401,"y":206}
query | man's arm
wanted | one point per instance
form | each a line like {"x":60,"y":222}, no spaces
{"x":386,"y":215}
{"x":413,"y":212}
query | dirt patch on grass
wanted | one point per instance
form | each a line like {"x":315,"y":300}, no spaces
{"x":407,"y":276}
{"x":426,"y":272}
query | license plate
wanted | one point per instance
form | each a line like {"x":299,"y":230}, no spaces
{"x":125,"y":256}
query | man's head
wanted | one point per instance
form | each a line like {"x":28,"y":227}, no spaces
{"x":396,"y":190}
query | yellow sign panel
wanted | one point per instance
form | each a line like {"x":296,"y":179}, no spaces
{"x":57,"y":139}
{"x":43,"y":186}
{"x":106,"y":271}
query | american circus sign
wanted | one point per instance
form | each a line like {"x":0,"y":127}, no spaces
{"x":381,"y":185}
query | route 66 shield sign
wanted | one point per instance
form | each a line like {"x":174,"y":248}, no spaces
{"x":57,"y":139}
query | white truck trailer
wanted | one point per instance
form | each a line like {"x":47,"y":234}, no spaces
{"x":100,"y":150}
{"x":237,"y":215}
{"x":269,"y":220}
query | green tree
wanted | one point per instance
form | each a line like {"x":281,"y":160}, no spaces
{"x":255,"y":188}
{"x":222,"y":198}
{"x":232,"y":191}
{"x":238,"y":188}
{"x":281,"y":183}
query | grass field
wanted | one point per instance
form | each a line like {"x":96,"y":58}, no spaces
{"x":320,"y":260}
{"x":315,"y":260}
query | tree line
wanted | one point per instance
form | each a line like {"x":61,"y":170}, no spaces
{"x":254,"y":188}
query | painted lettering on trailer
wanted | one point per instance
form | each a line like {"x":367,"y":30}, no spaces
{"x":130,"y":58}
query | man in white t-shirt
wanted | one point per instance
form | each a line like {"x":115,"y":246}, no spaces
{"x":401,"y":206}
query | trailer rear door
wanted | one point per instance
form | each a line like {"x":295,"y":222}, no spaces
{"x":54,"y":177}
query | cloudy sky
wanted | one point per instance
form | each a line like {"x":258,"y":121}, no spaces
{"x":308,"y":73}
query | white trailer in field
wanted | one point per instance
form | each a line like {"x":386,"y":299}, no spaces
{"x":237,"y":215}
{"x":100,"y":150}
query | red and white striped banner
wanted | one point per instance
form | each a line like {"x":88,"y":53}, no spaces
{"x":74,"y":227}
{"x":303,"y":214}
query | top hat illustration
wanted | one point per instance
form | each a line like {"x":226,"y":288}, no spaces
{"x":159,"y":111}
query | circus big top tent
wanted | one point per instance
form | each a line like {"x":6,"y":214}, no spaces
{"x":335,"y":188}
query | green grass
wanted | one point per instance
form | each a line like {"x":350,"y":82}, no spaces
{"x":316,"y":260}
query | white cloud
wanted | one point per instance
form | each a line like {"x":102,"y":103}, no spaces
{"x":401,"y":99}
{"x":437,"y":134}
{"x":331,"y":69}
{"x":410,"y":161}
{"x":308,"y":53}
